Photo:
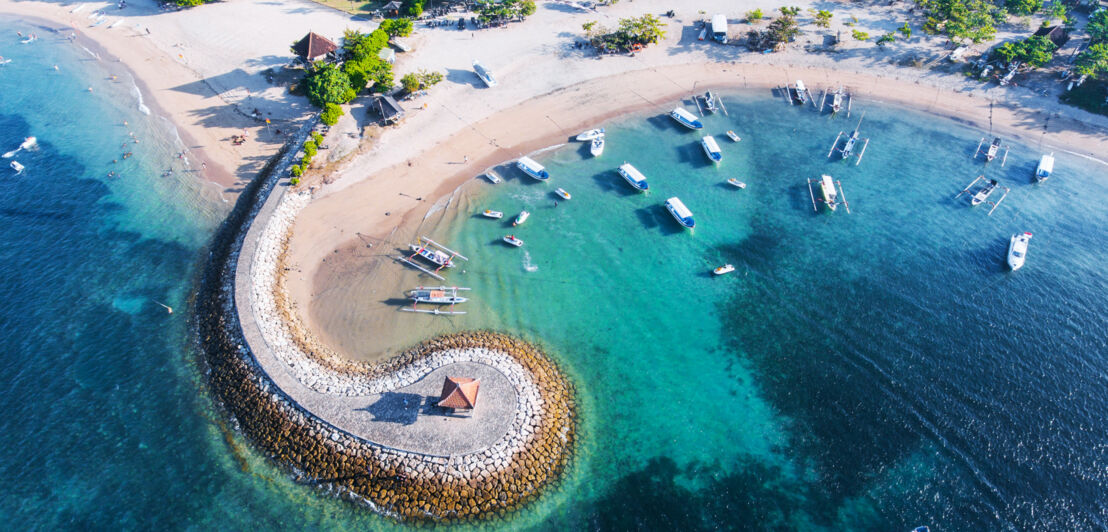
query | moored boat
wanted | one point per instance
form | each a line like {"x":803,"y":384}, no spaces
{"x":492,"y":177}
{"x":532,"y":168}
{"x":17,"y":167}
{"x":590,"y":135}
{"x":633,"y":176}
{"x":801,"y":92}
{"x":710,"y":102}
{"x":512,"y":240}
{"x":733,"y":136}
{"x":994,"y":149}
{"x":438,"y":295}
{"x":484,"y":73}
{"x":711,"y":149}
{"x":561,"y":192}
{"x":1045,"y":168}
{"x":736,"y":183}
{"x":434,"y":256}
{"x":680,"y":212}
{"x":726,"y":268}
{"x":830,"y":195}
{"x":685,"y":118}
{"x":597,"y":147}
{"x":984,"y":193}
{"x":1017,"y":250}
{"x":523,"y":215}
{"x":492,"y":214}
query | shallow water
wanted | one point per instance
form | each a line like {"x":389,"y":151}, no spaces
{"x":877,"y":370}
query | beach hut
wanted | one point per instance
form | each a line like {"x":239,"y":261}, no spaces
{"x":314,"y":47}
{"x":1057,"y":35}
{"x":459,"y":393}
{"x":390,"y":109}
{"x":392,"y":8}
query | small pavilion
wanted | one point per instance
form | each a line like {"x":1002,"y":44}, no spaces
{"x":392,"y":8}
{"x":314,"y":47}
{"x":459,"y":393}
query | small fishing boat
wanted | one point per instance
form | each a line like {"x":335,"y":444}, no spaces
{"x":28,"y":143}
{"x":434,"y":256}
{"x":1017,"y":250}
{"x":984,"y":192}
{"x":830,"y":195}
{"x":496,"y":215}
{"x":492,"y":177}
{"x":532,"y":168}
{"x":438,"y":295}
{"x":17,"y":167}
{"x":484,"y":73}
{"x":994,"y":149}
{"x":726,"y":268}
{"x":511,"y":239}
{"x":836,"y":101}
{"x":710,"y":102}
{"x":711,"y":149}
{"x":680,"y":212}
{"x":590,"y":135}
{"x":1046,"y":167}
{"x":597,"y":147}
{"x":736,"y":183}
{"x":29,"y":40}
{"x":523,"y":215}
{"x":703,"y":34}
{"x":801,"y":92}
{"x":633,"y":177}
{"x":561,"y":192}
{"x":733,"y":136}
{"x":685,"y":118}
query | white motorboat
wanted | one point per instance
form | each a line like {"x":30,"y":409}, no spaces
{"x":532,"y":168}
{"x":561,"y":192}
{"x":496,"y":215}
{"x":591,"y":135}
{"x":680,"y":212}
{"x":726,"y":268}
{"x":484,"y":73}
{"x":1046,"y":167}
{"x":830,"y":194}
{"x":597,"y":147}
{"x":685,"y":118}
{"x":710,"y":102}
{"x":434,"y":256}
{"x":1017,"y":250}
{"x":511,"y":239}
{"x":523,"y":215}
{"x":733,"y":136}
{"x":634,"y":177}
{"x":492,"y":177}
{"x":17,"y":167}
{"x":984,"y":192}
{"x":438,"y":295}
{"x":711,"y":149}
{"x":28,"y":143}
{"x":736,"y":183}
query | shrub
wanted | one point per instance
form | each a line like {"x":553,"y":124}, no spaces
{"x":886,"y":38}
{"x":1097,"y":28}
{"x":310,"y":148}
{"x":318,"y":138}
{"x":306,"y":161}
{"x":1034,"y":51}
{"x":294,"y":181}
{"x":860,"y":35}
{"x":331,"y":113}
{"x":823,"y":18}
{"x":1023,"y":7}
{"x":397,"y":27}
{"x":906,"y":31}
{"x":410,"y":82}
{"x":297,"y":171}
{"x":754,"y":15}
{"x":789,"y":11}
{"x":1093,"y":61}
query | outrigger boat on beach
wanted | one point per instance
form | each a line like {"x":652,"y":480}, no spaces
{"x":1017,"y":250}
{"x":680,"y":212}
{"x":597,"y":147}
{"x":436,"y":295}
{"x":710,"y":102}
{"x":561,"y":192}
{"x":711,"y":149}
{"x":590,"y":135}
{"x":726,"y":268}
{"x":836,"y":101}
{"x":523,"y":215}
{"x":484,"y":73}
{"x":736,"y":183}
{"x":432,"y":252}
{"x":1045,"y":168}
{"x":800,"y":93}
{"x":496,"y":215}
{"x":532,"y":168}
{"x":633,"y":177}
{"x":512,"y":240}
{"x":685,"y":118}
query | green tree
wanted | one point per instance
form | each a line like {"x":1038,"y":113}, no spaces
{"x":860,"y":35}
{"x":754,"y":15}
{"x":1093,"y":61}
{"x":1057,"y":11}
{"x":972,"y":20}
{"x":410,"y":82}
{"x":1035,"y":51}
{"x":331,"y":114}
{"x":782,"y":30}
{"x":327,"y":84}
{"x":429,"y":79}
{"x":1023,"y":7}
{"x":823,"y":18}
{"x":1098,"y":26}
{"x":906,"y":31}
{"x":396,"y":27}
{"x":412,"y":8}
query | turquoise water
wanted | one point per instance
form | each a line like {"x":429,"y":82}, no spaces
{"x":877,"y":370}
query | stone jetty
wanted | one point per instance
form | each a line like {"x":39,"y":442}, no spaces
{"x":291,"y":396}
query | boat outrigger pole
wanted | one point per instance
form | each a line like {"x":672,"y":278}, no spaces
{"x":444,"y":248}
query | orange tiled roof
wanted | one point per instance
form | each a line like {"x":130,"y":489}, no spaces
{"x":459,"y":392}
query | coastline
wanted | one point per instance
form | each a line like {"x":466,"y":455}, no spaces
{"x":327,"y":243}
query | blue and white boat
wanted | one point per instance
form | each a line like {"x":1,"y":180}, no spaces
{"x":484,"y":73}
{"x":711,"y":149}
{"x":685,"y":118}
{"x":1046,"y":167}
{"x":680,"y":212}
{"x":532,"y":168}
{"x":634,"y":177}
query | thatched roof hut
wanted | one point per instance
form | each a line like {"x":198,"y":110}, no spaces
{"x":313,"y":47}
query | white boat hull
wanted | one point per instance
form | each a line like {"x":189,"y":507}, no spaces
{"x":1017,"y":250}
{"x":597,"y":147}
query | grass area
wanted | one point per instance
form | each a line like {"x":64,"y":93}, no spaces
{"x":354,"y":7}
{"x":1090,"y":96}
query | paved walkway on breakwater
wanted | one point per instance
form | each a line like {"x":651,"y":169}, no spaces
{"x":384,"y":419}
